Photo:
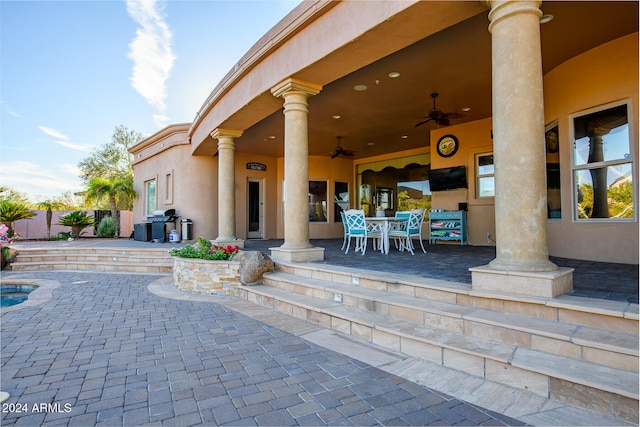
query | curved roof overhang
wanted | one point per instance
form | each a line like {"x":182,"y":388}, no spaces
{"x":318,"y":42}
{"x":162,"y":140}
{"x":442,"y":47}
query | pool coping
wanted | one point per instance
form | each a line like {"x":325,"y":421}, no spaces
{"x":42,"y":293}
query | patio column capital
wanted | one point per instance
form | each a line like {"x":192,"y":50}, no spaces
{"x":220,"y":133}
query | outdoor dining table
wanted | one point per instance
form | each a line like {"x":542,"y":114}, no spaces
{"x":385,"y":223}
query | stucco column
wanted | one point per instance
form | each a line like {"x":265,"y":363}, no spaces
{"x":518,"y":137}
{"x":226,"y":186}
{"x":522,"y":257}
{"x":296,"y":165}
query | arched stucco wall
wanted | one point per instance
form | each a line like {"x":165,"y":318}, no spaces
{"x":602,"y":75}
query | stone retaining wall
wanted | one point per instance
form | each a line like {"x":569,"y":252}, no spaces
{"x":206,"y":277}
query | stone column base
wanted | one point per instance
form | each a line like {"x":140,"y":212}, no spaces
{"x":547,"y":284}
{"x":297,"y":255}
{"x":226,"y":242}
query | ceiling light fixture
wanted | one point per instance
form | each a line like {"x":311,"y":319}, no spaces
{"x":546,"y":18}
{"x":360,"y":88}
{"x":466,"y":109}
{"x":336,"y":116}
{"x":394,"y":74}
{"x":405,"y":136}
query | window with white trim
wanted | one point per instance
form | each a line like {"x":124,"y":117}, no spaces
{"x":602,"y":166}
{"x":485,"y":180}
{"x":150,"y":197}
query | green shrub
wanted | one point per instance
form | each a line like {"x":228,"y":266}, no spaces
{"x":204,"y":249}
{"x":106,"y":228}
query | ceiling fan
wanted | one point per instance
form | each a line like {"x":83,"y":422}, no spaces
{"x":441,"y":118}
{"x":339,"y":151}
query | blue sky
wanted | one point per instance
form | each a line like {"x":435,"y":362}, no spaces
{"x":71,"y":71}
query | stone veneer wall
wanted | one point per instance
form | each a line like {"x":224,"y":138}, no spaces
{"x":206,"y":277}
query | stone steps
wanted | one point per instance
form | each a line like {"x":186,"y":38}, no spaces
{"x":611,"y":348}
{"x":527,"y":343}
{"x":98,"y":259}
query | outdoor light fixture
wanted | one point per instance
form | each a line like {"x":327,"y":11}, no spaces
{"x":546,"y":18}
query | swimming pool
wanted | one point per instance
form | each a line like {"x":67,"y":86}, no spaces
{"x":14,"y":294}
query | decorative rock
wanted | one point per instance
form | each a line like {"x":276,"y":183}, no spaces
{"x":253,"y":264}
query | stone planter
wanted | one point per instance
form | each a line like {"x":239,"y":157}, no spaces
{"x":206,"y":277}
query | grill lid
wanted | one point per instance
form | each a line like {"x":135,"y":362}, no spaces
{"x":164,"y":212}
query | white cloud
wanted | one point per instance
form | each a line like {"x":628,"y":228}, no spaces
{"x":53,"y":132}
{"x":35,"y":179}
{"x":151,"y":52}
{"x":9,"y":110}
{"x":160,"y":120}
{"x":73,"y":146}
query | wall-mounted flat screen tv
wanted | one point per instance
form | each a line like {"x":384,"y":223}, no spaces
{"x":448,"y":178}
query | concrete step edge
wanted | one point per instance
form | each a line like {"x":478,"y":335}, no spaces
{"x":612,"y":380}
{"x":615,"y":341}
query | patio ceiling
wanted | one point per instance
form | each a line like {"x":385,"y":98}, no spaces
{"x":456,"y":63}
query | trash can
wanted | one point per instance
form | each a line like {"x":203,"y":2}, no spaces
{"x":187,"y":225}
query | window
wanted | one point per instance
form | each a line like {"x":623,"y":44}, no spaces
{"x":150,"y":195}
{"x":486,"y":186}
{"x":318,"y":201}
{"x":341,"y":199}
{"x":552,"y":145}
{"x":603,"y":165}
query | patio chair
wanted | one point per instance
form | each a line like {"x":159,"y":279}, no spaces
{"x":404,"y":217}
{"x":346,"y":230}
{"x":413,"y":229}
{"x":361,"y":230}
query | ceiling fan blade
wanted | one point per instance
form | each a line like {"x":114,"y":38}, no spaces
{"x":334,"y":155}
{"x":454,"y":115}
{"x":423,"y":122}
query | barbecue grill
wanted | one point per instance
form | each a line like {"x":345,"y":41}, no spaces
{"x":159,"y":220}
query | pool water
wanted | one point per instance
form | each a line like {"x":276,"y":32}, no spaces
{"x":14,"y":294}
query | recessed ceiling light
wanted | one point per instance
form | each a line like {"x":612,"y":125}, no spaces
{"x":371,"y":143}
{"x":546,"y":18}
{"x":394,"y":74}
{"x":405,"y":136}
{"x":336,"y":116}
{"x":466,"y":109}
{"x":360,"y":88}
{"x":272,"y":137}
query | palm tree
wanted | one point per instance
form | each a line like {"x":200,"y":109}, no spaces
{"x":77,"y":220}
{"x":116,"y":191}
{"x":50,"y":205}
{"x":11,"y":212}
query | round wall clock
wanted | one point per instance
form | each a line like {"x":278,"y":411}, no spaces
{"x":447,"y":146}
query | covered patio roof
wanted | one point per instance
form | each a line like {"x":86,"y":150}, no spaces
{"x":442,"y":47}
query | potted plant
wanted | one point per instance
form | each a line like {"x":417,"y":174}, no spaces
{"x":206,"y":268}
{"x":77,"y":220}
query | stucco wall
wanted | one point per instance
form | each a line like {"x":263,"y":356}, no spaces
{"x":195,"y":189}
{"x":474,"y":139}
{"x":602,"y":75}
